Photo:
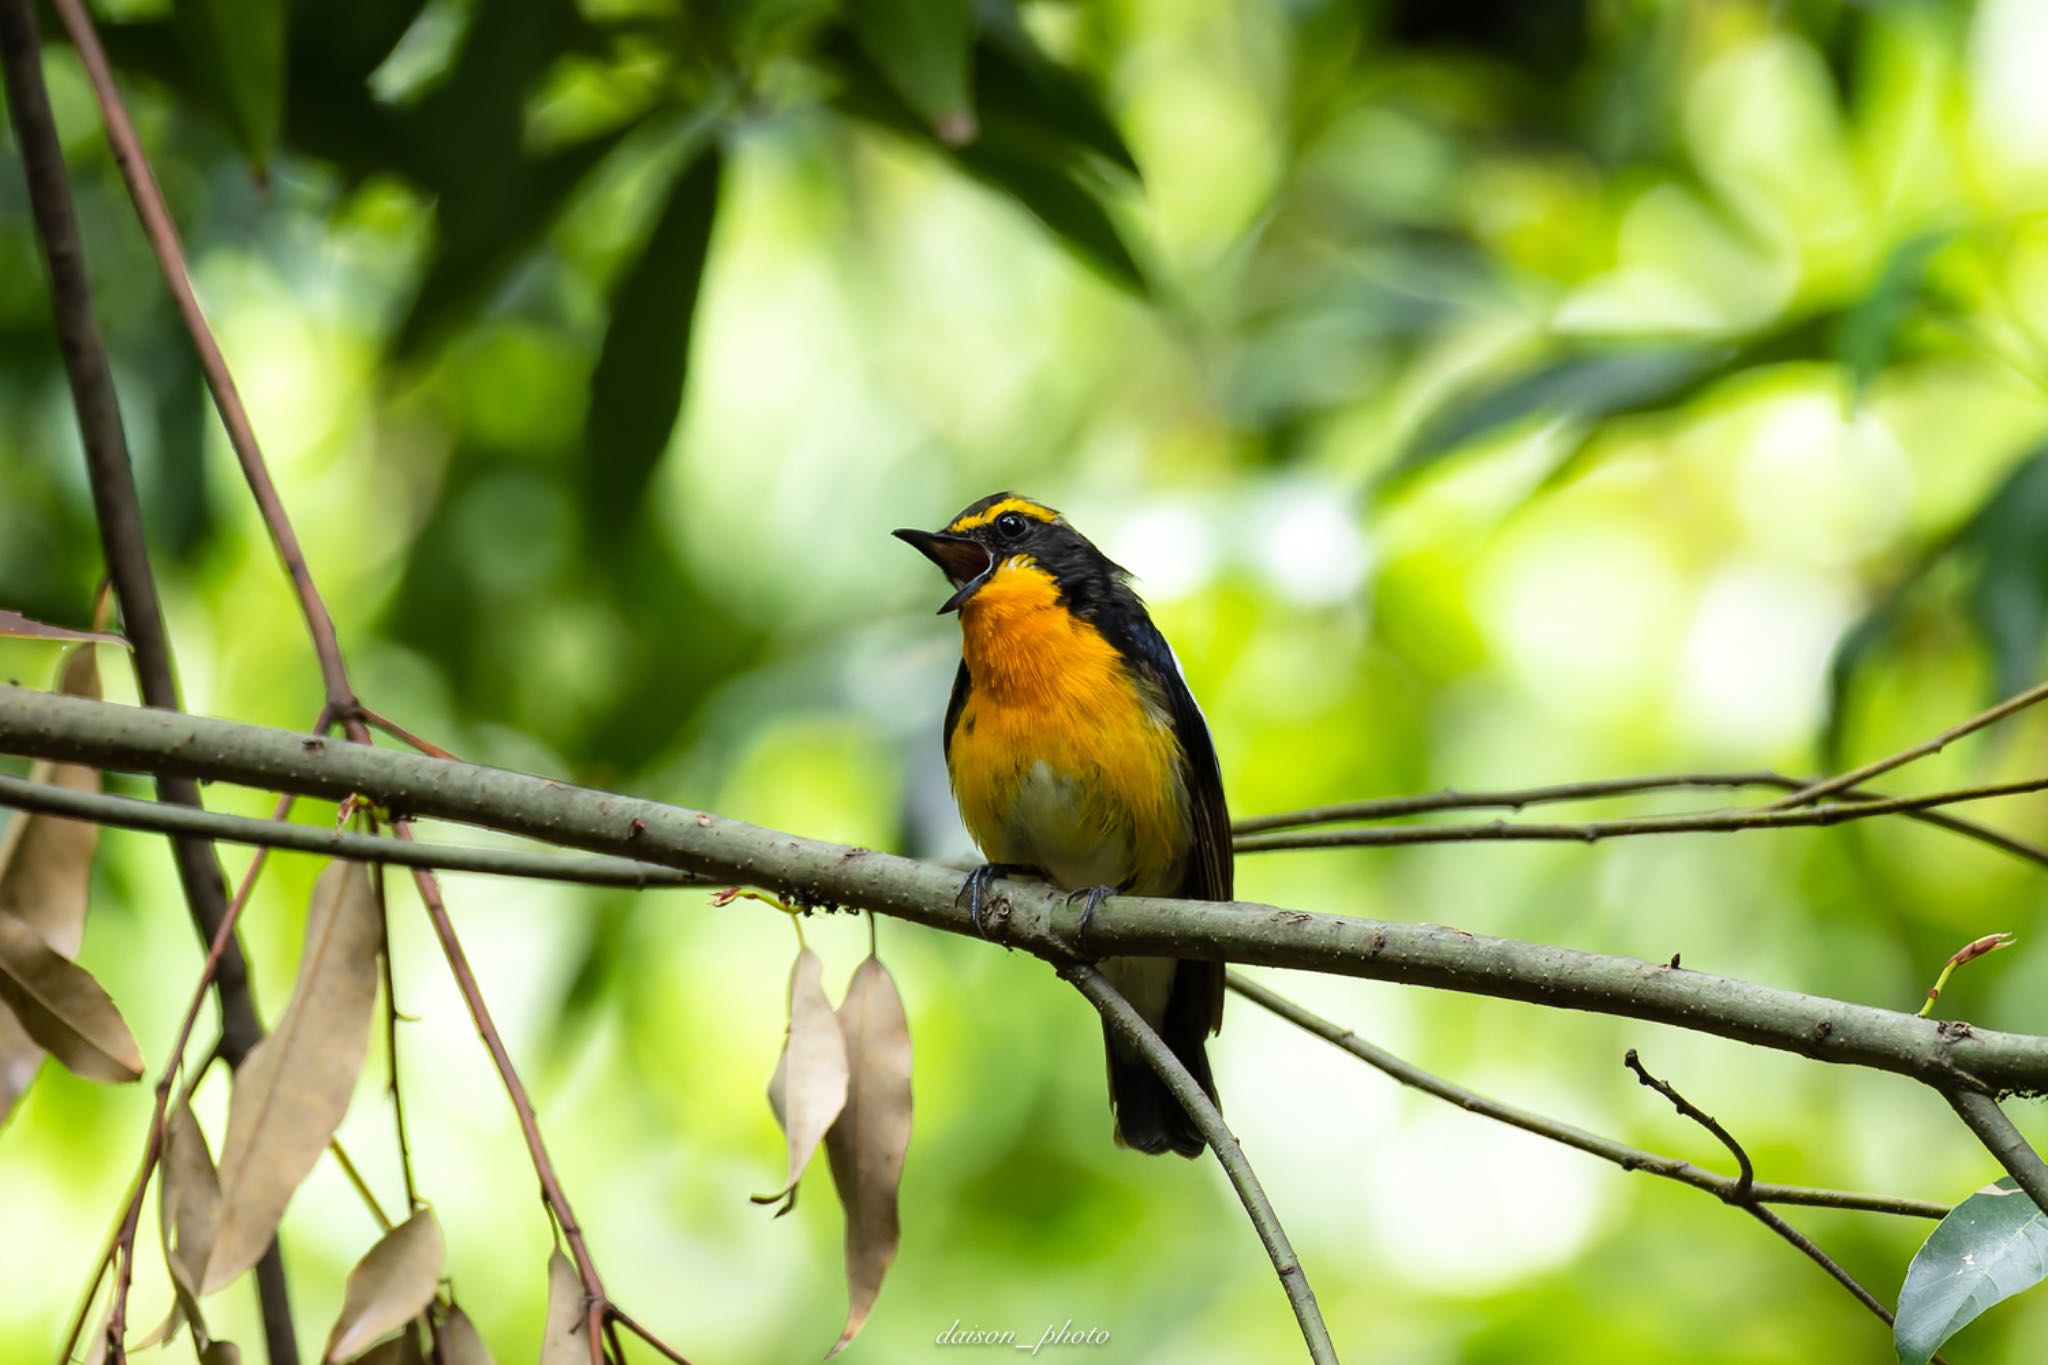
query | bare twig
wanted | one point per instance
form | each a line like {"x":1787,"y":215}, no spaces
{"x":1126,"y":1021}
{"x":1989,"y":1122}
{"x":1392,"y":807}
{"x":126,"y":812}
{"x":1592,"y":831}
{"x":1542,"y":1125}
{"x":362,"y":1186}
{"x":1857,"y":776}
{"x":1743,"y":1193}
{"x":119,"y":514}
{"x":412,"y":1193}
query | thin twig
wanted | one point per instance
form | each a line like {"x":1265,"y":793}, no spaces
{"x":1126,"y":1021}
{"x":401,"y":734}
{"x":1542,"y":1125}
{"x":127,"y":812}
{"x":1989,"y":1122}
{"x":1743,"y":1194}
{"x":1857,"y":776}
{"x":1391,"y":807}
{"x":412,"y":1193}
{"x":118,"y":510}
{"x":362,"y":1186}
{"x":1592,"y":831}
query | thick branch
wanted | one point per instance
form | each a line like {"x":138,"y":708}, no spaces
{"x":105,"y":735}
{"x":1117,"y":1012}
{"x":1542,"y":1125}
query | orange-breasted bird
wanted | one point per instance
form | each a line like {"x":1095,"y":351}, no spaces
{"x":1077,"y":754}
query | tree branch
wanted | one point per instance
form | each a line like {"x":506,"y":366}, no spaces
{"x":1989,"y":1122}
{"x":1542,"y":1125}
{"x":127,"y":812}
{"x":1592,"y":831}
{"x":1855,"y":776}
{"x":119,"y":514}
{"x":105,"y":735}
{"x":1117,"y":1012}
{"x":1392,"y":807}
{"x":1744,"y":1196}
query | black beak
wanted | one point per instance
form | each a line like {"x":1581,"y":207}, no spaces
{"x":966,"y":563}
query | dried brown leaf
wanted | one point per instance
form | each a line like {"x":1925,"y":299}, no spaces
{"x":562,"y":1340}
{"x":866,"y":1146}
{"x":461,"y":1343}
{"x":400,"y":1350}
{"x":22,"y":628}
{"x":390,"y":1286}
{"x":188,"y":1202}
{"x":293,"y":1089}
{"x":221,"y":1353}
{"x":808,"y":1088}
{"x":45,"y":870}
{"x":62,"y":1008}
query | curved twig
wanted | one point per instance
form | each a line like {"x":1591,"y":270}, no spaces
{"x":1117,"y":1012}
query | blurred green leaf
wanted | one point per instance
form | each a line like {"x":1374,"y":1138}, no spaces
{"x":1870,"y":327}
{"x":1595,"y":383}
{"x":237,"y":49}
{"x":636,"y":392}
{"x":2004,"y":548}
{"x":1036,"y":165}
{"x":1990,"y":1247}
{"x":1021,"y":92}
{"x":921,"y":49}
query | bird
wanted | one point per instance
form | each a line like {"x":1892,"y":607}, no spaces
{"x":1078,"y":755}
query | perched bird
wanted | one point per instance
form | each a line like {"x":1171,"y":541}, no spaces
{"x":1077,"y":754}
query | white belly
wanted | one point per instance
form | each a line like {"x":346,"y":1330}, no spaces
{"x":1048,"y":826}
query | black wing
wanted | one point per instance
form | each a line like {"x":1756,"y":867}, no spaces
{"x":1209,"y":868}
{"x":956,"y":705}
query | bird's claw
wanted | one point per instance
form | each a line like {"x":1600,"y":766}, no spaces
{"x":976,"y":892}
{"x":1090,"y":897}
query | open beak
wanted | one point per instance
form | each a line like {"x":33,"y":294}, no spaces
{"x":966,"y":563}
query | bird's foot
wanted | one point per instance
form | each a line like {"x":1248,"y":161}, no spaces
{"x":985,"y":909}
{"x":1090,"y":897}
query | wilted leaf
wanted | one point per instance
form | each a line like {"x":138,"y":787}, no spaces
{"x":390,"y":1286}
{"x":45,"y":873}
{"x":1990,"y":1247}
{"x":636,"y":391}
{"x":188,"y":1204}
{"x":562,"y":1340}
{"x":808,"y":1088}
{"x":867,"y":1145}
{"x":62,"y":1008}
{"x":236,"y":47}
{"x":20,"y":627}
{"x":921,"y":48}
{"x":461,"y":1343}
{"x":403,"y":1349}
{"x":294,"y":1087}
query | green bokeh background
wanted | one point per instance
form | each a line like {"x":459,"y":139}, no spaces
{"x":1538,"y":393}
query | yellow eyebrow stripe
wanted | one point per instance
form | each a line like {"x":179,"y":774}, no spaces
{"x":988,"y":514}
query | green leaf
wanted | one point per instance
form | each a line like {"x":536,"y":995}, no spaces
{"x":636,"y":392}
{"x":1022,"y":93}
{"x":1990,"y":1247}
{"x":237,"y":50}
{"x":1870,"y":327}
{"x":921,"y":49}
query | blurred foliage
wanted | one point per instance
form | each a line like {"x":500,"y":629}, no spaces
{"x":1483,"y":394}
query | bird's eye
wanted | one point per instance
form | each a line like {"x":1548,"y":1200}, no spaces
{"x":1010,"y":525}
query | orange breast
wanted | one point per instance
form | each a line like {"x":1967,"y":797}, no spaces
{"x":1061,"y":757}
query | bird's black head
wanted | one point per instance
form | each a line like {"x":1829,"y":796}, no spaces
{"x":1006,"y":526}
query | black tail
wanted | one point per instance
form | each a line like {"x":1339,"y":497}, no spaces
{"x":1148,"y":1117}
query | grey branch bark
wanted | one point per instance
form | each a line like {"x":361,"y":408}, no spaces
{"x":1947,"y":1055}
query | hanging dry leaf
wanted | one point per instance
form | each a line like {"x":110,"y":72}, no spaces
{"x":21,"y":627}
{"x":562,"y":1340}
{"x":45,"y":870}
{"x":400,"y":1350}
{"x":808,"y":1088}
{"x":221,"y":1353}
{"x":866,"y":1146}
{"x":63,"y":1008}
{"x":390,"y":1286}
{"x":188,"y":1202}
{"x":293,"y":1089}
{"x":461,"y":1343}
